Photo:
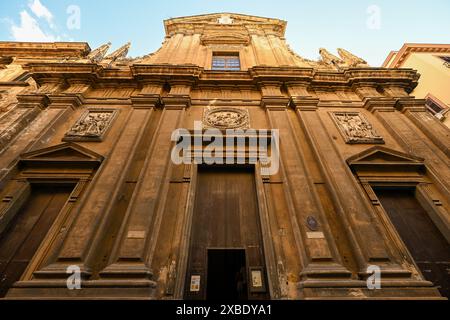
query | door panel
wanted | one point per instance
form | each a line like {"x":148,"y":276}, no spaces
{"x":225,"y":217}
{"x":26,"y":231}
{"x":427,"y":245}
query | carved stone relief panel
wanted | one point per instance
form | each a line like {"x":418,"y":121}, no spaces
{"x":226,"y":118}
{"x":355,"y":128}
{"x":91,"y":126}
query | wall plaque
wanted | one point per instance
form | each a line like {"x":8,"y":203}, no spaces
{"x":315,"y":235}
{"x":256,"y":278}
{"x":91,"y":126}
{"x":257,"y":282}
{"x":195,"y":283}
{"x":136,"y":235}
{"x":355,"y":128}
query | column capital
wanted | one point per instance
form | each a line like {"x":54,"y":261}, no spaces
{"x":145,"y":101}
{"x":304,"y":103}
{"x":176,"y":102}
{"x":380,"y":104}
{"x":275,"y":103}
{"x":410,"y":104}
{"x":33,"y":100}
{"x":75,"y":100}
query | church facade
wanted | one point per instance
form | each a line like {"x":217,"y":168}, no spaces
{"x":355,"y":204}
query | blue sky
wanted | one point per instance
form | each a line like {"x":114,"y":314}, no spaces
{"x":368,"y":28}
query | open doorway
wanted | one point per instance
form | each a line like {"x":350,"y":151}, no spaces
{"x":225,"y":236}
{"x":227,"y":276}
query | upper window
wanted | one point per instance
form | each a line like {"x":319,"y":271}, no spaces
{"x":435,"y":106}
{"x":446,"y":60}
{"x":226,"y":61}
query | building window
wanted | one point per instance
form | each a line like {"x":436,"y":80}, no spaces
{"x":435,"y":106}
{"x":446,"y":60}
{"x":226,"y":61}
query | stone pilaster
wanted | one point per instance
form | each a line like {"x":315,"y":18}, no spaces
{"x":403,"y":128}
{"x":95,"y":207}
{"x":436,"y":131}
{"x":134,"y":250}
{"x":317,"y":249}
{"x":368,"y":241}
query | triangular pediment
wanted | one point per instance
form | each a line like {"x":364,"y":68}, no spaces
{"x":384,"y":156}
{"x":65,"y":152}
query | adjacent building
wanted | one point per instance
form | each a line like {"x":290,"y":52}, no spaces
{"x":336,"y":183}
{"x":432,"y":61}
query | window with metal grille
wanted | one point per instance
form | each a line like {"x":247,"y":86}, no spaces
{"x":226,"y":61}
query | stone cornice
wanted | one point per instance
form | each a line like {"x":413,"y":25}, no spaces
{"x":161,"y":72}
{"x":402,"y":78}
{"x":45,"y":50}
{"x":408,"y":48}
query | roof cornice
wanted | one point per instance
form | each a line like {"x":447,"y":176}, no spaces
{"x":409,"y":48}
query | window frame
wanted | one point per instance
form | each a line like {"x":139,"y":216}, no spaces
{"x":431,"y":98}
{"x":231,"y":61}
{"x":444,"y":59}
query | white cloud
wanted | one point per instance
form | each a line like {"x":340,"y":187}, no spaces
{"x":29,"y":30}
{"x":41,"y":11}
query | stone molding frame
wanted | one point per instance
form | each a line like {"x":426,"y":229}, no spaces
{"x":355,"y":128}
{"x":382,"y":167}
{"x":63,"y":164}
{"x":191,"y":174}
{"x":92,"y":125}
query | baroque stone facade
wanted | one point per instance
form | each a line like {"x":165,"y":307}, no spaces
{"x":86,"y":142}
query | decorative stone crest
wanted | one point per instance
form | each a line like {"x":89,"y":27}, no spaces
{"x":225,"y":19}
{"x":91,"y":126}
{"x":355,"y":128}
{"x":226,"y":118}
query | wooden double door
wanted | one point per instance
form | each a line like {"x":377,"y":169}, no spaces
{"x":425,"y":242}
{"x":21,"y":239}
{"x":226,"y":256}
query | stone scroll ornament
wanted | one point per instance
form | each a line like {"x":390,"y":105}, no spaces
{"x":91,"y":126}
{"x":355,"y":128}
{"x":226,"y":118}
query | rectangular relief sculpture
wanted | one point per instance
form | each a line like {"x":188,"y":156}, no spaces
{"x":91,"y":126}
{"x":355,"y":128}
